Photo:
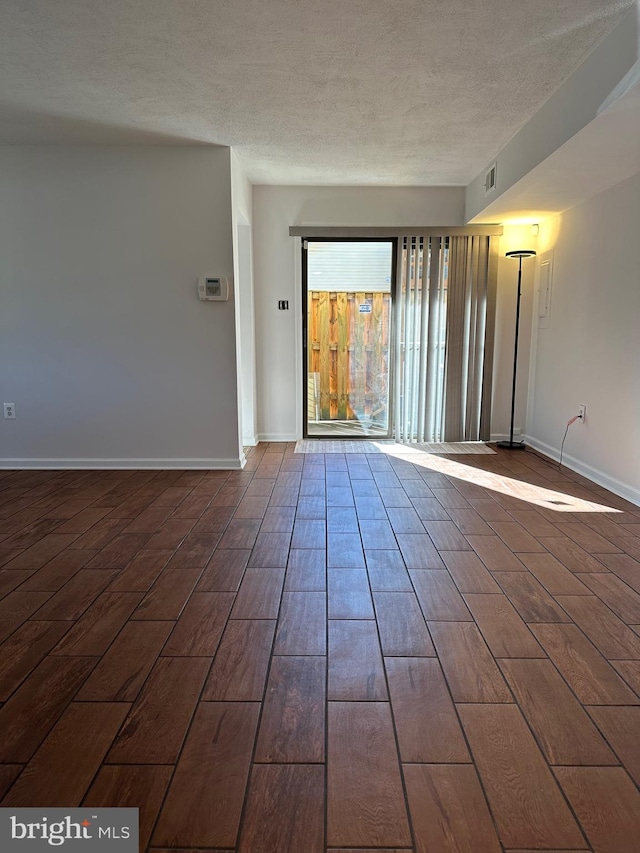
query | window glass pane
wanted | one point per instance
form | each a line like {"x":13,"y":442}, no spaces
{"x":344,"y":266}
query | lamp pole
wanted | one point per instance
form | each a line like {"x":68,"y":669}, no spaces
{"x":519,"y":254}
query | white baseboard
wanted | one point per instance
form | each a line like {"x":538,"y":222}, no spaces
{"x":624,"y":490}
{"x":278,"y":436}
{"x":249,"y":441}
{"x":498,"y":436}
{"x":124,"y":464}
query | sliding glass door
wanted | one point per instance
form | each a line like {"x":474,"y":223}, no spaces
{"x":398,"y":337}
{"x":348,"y":296}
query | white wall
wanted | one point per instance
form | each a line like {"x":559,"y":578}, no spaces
{"x":105,"y":349}
{"x":277,"y":274}
{"x":591,"y":351}
{"x":242,"y":202}
{"x":246,"y":332}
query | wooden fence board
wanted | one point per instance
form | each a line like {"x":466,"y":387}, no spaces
{"x":359,"y":371}
{"x":342,"y":365}
{"x":324,"y":359}
{"x":349,"y":351}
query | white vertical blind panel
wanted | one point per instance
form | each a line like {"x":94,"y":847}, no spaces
{"x":406,"y":389}
{"x":441,"y":325}
{"x":417,"y":315}
{"x":442,"y":300}
{"x":431,"y":344}
{"x":398,"y":338}
{"x":424,"y":326}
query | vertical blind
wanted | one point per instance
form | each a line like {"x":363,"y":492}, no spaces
{"x":444,"y":338}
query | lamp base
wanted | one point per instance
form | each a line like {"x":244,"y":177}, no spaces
{"x":511,"y":445}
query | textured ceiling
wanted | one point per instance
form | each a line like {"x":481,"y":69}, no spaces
{"x":413,"y":92}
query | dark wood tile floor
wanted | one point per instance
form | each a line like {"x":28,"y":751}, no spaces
{"x":326,"y":652}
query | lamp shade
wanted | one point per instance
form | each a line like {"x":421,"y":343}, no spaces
{"x":520,"y":253}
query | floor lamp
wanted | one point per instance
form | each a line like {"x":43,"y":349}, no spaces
{"x":519,"y":254}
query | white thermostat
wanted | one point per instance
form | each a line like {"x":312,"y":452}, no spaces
{"x":213,"y":289}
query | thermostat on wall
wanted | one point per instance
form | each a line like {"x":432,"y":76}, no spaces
{"x":213,"y":289}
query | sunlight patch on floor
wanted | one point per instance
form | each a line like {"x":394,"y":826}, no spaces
{"x":538,"y":495}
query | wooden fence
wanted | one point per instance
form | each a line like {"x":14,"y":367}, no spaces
{"x":348,"y":346}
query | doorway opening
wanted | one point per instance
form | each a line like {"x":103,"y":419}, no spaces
{"x":348,"y":337}
{"x":398,"y":336}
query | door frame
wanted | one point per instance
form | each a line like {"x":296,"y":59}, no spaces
{"x":392,"y":334}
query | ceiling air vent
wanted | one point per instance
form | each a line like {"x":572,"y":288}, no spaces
{"x":490,"y":179}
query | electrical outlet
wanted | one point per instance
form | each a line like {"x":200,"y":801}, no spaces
{"x":582,"y":411}
{"x":10,"y":410}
